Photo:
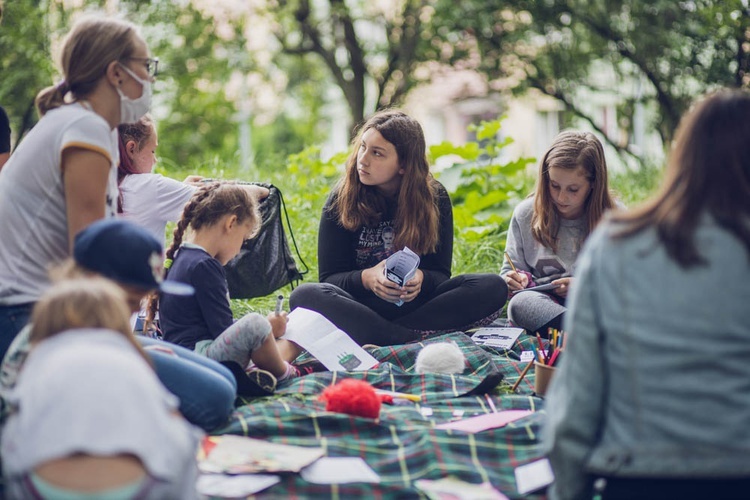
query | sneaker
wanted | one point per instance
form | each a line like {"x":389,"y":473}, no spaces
{"x":263,"y":380}
{"x":254,"y":383}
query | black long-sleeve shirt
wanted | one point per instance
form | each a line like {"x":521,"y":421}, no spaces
{"x":343,"y":254}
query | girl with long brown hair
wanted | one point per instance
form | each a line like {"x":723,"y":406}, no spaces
{"x":388,"y":200}
{"x":548,"y":229}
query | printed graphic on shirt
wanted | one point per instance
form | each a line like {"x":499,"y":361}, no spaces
{"x":375,"y":244}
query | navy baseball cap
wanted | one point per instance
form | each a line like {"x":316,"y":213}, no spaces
{"x":127,"y":253}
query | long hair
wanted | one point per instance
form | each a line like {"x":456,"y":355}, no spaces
{"x":708,"y":172}
{"x":417,"y":215}
{"x":82,"y":303}
{"x":207,"y":207}
{"x":139,"y":132}
{"x":92,"y":44}
{"x":571,"y":150}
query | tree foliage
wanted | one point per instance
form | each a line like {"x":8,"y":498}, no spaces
{"x":25,"y":65}
{"x":362,"y":45}
{"x":676,"y":49}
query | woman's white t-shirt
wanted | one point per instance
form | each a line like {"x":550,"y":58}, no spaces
{"x":33,"y":215}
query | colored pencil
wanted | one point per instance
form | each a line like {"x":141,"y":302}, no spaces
{"x":541,"y":346}
{"x":523,"y":374}
{"x":490,"y":402}
{"x":401,"y":395}
{"x":554,"y":357}
{"x":512,"y":266}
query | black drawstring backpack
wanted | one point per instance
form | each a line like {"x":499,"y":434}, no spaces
{"x":265,"y":263}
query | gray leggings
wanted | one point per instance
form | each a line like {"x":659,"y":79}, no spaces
{"x":237,"y":342}
{"x":536,"y":311}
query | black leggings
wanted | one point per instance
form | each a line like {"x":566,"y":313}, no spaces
{"x":453,"y":305}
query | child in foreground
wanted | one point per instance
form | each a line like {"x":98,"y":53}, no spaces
{"x":221,"y":216}
{"x":131,"y":257}
{"x":548,"y":229}
{"x":89,"y":416}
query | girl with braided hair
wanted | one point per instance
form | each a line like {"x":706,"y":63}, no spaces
{"x":220,"y":216}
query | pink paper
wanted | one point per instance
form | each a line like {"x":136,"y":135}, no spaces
{"x":484,"y":422}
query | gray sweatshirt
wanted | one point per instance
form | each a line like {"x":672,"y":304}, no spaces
{"x":528,"y":254}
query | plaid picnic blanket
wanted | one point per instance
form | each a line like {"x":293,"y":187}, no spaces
{"x":403,"y":445}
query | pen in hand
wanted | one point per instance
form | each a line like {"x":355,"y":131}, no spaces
{"x":279,"y":303}
{"x":507,"y":257}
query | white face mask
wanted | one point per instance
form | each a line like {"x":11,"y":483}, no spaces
{"x":132,"y":110}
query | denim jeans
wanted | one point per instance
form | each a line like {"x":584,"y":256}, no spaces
{"x":12,"y":320}
{"x":206,"y":389}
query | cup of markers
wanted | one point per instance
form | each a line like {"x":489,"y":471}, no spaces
{"x":546,"y":358}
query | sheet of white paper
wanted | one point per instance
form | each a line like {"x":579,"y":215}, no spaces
{"x":331,"y":346}
{"x":339,"y":470}
{"x":502,"y":337}
{"x":534,"y":476}
{"x":451,"y":488}
{"x":226,"y":486}
{"x":527,"y":356}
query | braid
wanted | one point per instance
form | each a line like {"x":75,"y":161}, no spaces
{"x":188,"y":214}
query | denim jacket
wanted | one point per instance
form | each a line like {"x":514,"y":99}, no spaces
{"x":655,"y":378}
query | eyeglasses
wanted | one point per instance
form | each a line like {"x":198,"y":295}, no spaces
{"x":151,"y":63}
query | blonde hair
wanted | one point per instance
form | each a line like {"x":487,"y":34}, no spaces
{"x":82,"y":303}
{"x":92,"y":44}
{"x":571,"y":150}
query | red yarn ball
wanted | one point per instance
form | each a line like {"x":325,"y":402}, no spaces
{"x":353,"y":397}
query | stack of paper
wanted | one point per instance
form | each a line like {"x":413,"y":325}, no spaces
{"x":401,"y":267}
{"x":243,"y":455}
{"x":498,"y":337}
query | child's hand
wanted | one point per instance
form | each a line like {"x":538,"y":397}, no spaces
{"x":278,"y":323}
{"x":516,"y":281}
{"x":412,"y":287}
{"x":374,"y":279}
{"x":563,"y":286}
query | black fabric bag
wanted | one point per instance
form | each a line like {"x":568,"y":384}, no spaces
{"x":265,"y":263}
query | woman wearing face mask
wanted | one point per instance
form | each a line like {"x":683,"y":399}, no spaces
{"x":63,"y":176}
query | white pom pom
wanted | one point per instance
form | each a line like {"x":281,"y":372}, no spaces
{"x":442,"y":357}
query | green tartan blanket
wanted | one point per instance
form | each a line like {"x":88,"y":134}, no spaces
{"x":403,"y":445}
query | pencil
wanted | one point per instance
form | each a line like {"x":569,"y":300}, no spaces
{"x":401,"y":395}
{"x":542,"y":352}
{"x":490,"y":402}
{"x":523,"y":374}
{"x":510,"y":262}
{"x":554,"y":357}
